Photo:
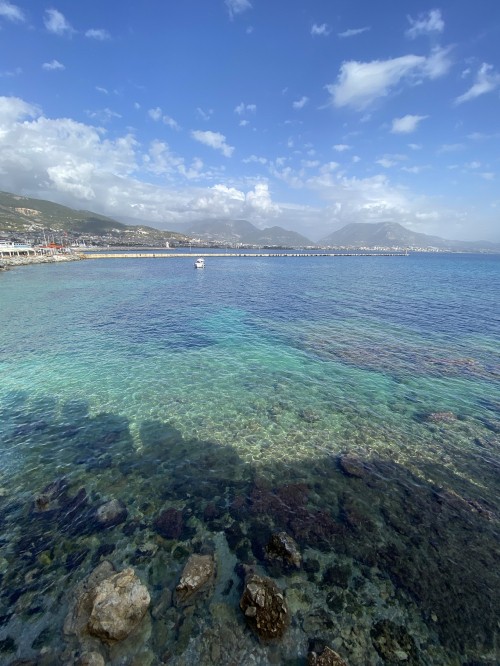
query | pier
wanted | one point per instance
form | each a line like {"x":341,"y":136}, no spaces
{"x":192,"y":255}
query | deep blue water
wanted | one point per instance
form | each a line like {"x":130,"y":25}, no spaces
{"x":233,"y":395}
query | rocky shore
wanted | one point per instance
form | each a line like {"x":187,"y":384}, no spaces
{"x":9,"y":262}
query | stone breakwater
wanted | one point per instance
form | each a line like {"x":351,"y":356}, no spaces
{"x":9,"y":262}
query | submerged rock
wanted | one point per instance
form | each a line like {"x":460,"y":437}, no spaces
{"x":283,"y":549}
{"x":441,"y":417}
{"x":352,"y":465}
{"x":170,"y":523}
{"x":119,"y":604}
{"x":79,"y":612}
{"x":199,"y":570}
{"x":111,"y":513}
{"x":91,"y":659}
{"x":326,"y":658}
{"x":394,"y":644}
{"x":264,"y":607}
{"x":107,"y":604}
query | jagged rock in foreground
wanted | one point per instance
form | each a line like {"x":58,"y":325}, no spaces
{"x":199,"y":570}
{"x":264,"y":607}
{"x":108,"y":605}
{"x":120,"y":603}
{"x":326,"y":658}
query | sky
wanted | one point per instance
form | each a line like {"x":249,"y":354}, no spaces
{"x":307,"y":114}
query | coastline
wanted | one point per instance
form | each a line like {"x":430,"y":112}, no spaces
{"x":8,"y":262}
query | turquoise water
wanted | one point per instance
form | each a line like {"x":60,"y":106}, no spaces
{"x":233,"y":395}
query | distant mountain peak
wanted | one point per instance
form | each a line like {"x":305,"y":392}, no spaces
{"x":393,"y":234}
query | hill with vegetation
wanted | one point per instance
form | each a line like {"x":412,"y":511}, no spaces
{"x":36,"y":218}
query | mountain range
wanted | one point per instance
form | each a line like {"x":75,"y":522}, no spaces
{"x":20,"y":214}
{"x":392,"y":234}
{"x":241,"y":231}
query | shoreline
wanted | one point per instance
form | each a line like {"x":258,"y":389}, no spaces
{"x":8,"y":262}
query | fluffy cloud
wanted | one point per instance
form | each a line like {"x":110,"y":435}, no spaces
{"x":235,"y":7}
{"x":407,"y":124}
{"x":11,"y":12}
{"x":53,"y":65}
{"x":215,"y":140}
{"x":359,"y":84}
{"x":223,"y":201}
{"x":56,"y":23}
{"x":322,"y":29}
{"x":425,"y":24}
{"x":341,"y":147}
{"x":352,"y":32}
{"x":486,"y":81}
{"x":98,"y":33}
{"x":300,"y":103}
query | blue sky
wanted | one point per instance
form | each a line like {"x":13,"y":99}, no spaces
{"x":306,"y":114}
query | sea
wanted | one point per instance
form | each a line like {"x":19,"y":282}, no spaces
{"x":349,"y":402}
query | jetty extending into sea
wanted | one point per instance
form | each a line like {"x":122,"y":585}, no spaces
{"x":173,"y":255}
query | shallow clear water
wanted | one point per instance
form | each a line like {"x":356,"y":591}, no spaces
{"x":232,"y":395}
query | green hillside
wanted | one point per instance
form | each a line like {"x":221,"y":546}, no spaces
{"x":18,"y":213}
{"x":31,"y":218}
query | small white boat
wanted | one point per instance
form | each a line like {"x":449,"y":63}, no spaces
{"x":199,"y":263}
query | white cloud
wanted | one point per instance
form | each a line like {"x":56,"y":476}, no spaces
{"x":438,"y":63}
{"x":486,"y":81}
{"x":488,"y":176}
{"x":341,"y":147}
{"x":390,"y":160}
{"x":98,"y":33}
{"x":256,"y":159}
{"x":157,"y":114}
{"x":386,"y":162}
{"x":52,"y":65}
{"x":103,"y":115}
{"x":160,"y":161}
{"x":352,"y":32}
{"x":11,"y":12}
{"x":243,"y":108}
{"x":14,"y":109}
{"x":170,"y":122}
{"x":415,"y":146}
{"x":56,"y":23}
{"x":237,"y":7}
{"x":214,"y":140}
{"x":407,"y":124}
{"x":244,"y":123}
{"x":64,"y":156}
{"x":322,"y":29}
{"x":300,"y":103}
{"x":425,"y":24}
{"x":359,"y":84}
{"x":223,"y":201}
